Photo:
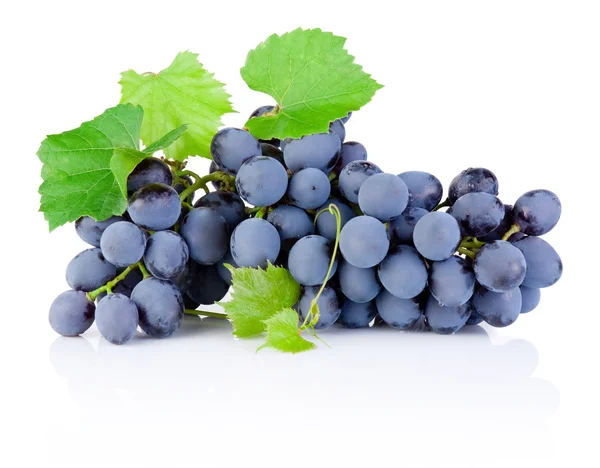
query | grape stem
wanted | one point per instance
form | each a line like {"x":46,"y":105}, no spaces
{"x":513,"y":230}
{"x":467,"y":252}
{"x":200,"y":182}
{"x":111,"y":284}
{"x":206,"y":313}
{"x":471,"y":243}
{"x":261,"y":212}
{"x":445,"y":203}
{"x":187,"y":205}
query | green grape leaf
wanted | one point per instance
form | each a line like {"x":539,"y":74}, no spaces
{"x":257,"y":295}
{"x":182,"y":94}
{"x":312,"y":78}
{"x":123,"y":162}
{"x":166,"y":140}
{"x":283,"y":333}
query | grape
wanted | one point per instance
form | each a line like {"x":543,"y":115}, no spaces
{"x":204,"y":285}
{"x":364,"y":241}
{"x":91,"y":231}
{"x":351,"y":151}
{"x":396,"y":312}
{"x":470,"y":180}
{"x":189,"y":303}
{"x":126,"y":285}
{"x":544,"y":266}
{"x":155,"y":207}
{"x":206,"y":234}
{"x":117,"y":318}
{"x":383,"y":196}
{"x":537,"y":212}
{"x":345,"y":119}
{"x":71,"y":313}
{"x":328,"y":302}
{"x":272,"y":151}
{"x":478,"y":213}
{"x":123,"y":244}
{"x":475,"y":318}
{"x":320,"y":151}
{"x":500,"y":266}
{"x":437,"y":236}
{"x":425,"y":189}
{"x":326,"y":222}
{"x":402,"y":227}
{"x":446,"y":320}
{"x":309,"y":260}
{"x":502,"y":228}
{"x":451,"y":281}
{"x":352,"y":177}
{"x":223,"y":271}
{"x":403,"y":273}
{"x":517,"y":236}
{"x":530,"y":298}
{"x":357,"y":314}
{"x":292,"y":223}
{"x":217,"y":184}
{"x":166,"y":255}
{"x":337,"y":127}
{"x":89,"y":270}
{"x":499,"y":309}
{"x":180,"y":187}
{"x":309,"y":188}
{"x":227,"y":204}
{"x":261,"y":181}
{"x":259,"y":112}
{"x":254,"y":243}
{"x":230,"y":147}
{"x":160,"y":307}
{"x":358,"y":284}
{"x":149,"y":171}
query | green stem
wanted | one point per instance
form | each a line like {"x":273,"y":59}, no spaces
{"x":466,"y":252}
{"x":513,"y":230}
{"x":111,"y":284}
{"x":445,"y":203}
{"x":206,"y":313}
{"x":256,"y":209}
{"x":143,"y":270}
{"x":187,"y":205}
{"x":471,"y":243}
{"x":261,"y":212}
{"x":200,"y":182}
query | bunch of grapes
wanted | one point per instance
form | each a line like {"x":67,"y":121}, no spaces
{"x":403,"y":261}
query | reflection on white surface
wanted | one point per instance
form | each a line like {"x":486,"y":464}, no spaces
{"x":377,"y":392}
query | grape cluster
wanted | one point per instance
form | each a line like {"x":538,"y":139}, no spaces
{"x":404,"y":261}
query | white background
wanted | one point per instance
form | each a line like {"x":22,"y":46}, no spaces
{"x":513,"y":86}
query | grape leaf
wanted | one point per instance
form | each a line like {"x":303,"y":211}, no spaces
{"x":312,"y":78}
{"x":123,"y":162}
{"x":258,"y":295}
{"x":283,"y":333}
{"x":182,"y":94}
{"x":166,"y":140}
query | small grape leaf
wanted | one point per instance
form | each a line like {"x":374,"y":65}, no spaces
{"x":312,"y":78}
{"x":257,"y":295}
{"x":166,"y":140}
{"x":182,"y":94}
{"x":283,"y":333}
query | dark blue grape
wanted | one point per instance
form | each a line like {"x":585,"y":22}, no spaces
{"x":353,"y":175}
{"x":446,"y":320}
{"x":231,"y":147}
{"x":337,"y":127}
{"x":537,"y":212}
{"x":364,"y":242}
{"x":478,"y":213}
{"x":502,"y":228}
{"x":117,"y":318}
{"x":471,"y":180}
{"x":204,"y":285}
{"x":425,"y":189}
{"x":500,"y":266}
{"x":499,"y":309}
{"x":123,"y":244}
{"x":261,"y":181}
{"x":272,"y":152}
{"x":383,"y":196}
{"x":149,"y":171}
{"x":358,"y":284}
{"x":160,"y":307}
{"x":217,"y":184}
{"x":292,"y":223}
{"x":351,"y":151}
{"x":402,"y":227}
{"x":403,"y":273}
{"x":71,"y":313}
{"x":475,"y":318}
{"x":206,"y":234}
{"x":357,"y":314}
{"x":517,"y":236}
{"x":544,"y":266}
{"x":91,"y":231}
{"x":530,"y":298}
{"x":396,"y":312}
{"x":329,"y":305}
{"x":180,"y":187}
{"x":166,"y":255}
{"x":254,"y":243}
{"x":309,"y":260}
{"x":155,"y":207}
{"x":227,"y":204}
{"x":326,"y":222}
{"x":89,"y":270}
{"x":320,"y":151}
{"x":223,"y":271}
{"x":437,"y":236}
{"x":309,"y":188}
{"x":452,"y":281}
